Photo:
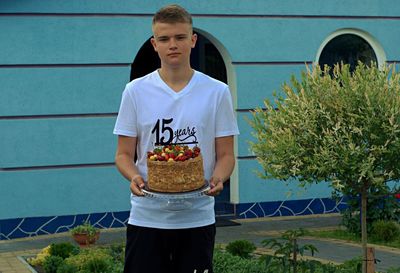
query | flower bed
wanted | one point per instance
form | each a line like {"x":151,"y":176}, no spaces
{"x":67,"y":258}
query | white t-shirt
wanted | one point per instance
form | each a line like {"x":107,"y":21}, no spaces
{"x":157,"y":115}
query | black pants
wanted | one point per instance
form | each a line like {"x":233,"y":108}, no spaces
{"x":151,"y":250}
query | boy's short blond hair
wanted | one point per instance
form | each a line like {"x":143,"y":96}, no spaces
{"x":172,"y":14}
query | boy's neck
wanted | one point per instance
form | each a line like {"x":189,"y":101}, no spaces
{"x":177,"y":79}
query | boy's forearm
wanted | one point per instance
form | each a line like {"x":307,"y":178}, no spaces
{"x":224,"y":167}
{"x":126,"y":166}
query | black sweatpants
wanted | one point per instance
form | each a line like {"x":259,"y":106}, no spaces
{"x":152,"y":250}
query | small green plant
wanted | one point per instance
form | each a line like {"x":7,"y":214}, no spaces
{"x":241,"y":248}
{"x":63,"y":250}
{"x":85,"y":228}
{"x":288,"y":249}
{"x":52,"y":263}
{"x":385,"y":231}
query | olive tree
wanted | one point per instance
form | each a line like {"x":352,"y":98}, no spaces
{"x":334,"y":126}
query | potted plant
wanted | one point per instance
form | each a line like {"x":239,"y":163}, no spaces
{"x":85,"y":234}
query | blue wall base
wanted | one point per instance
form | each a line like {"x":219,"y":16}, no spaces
{"x":33,"y":226}
{"x":290,"y":208}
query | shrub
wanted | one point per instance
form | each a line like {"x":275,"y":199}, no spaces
{"x":51,"y":264}
{"x":241,"y":248}
{"x":385,"y":230}
{"x":63,"y":250}
{"x":117,"y":252}
{"x":86,"y":256}
{"x":98,"y":265}
{"x":66,"y":268}
{"x":382,"y":205}
{"x":40,"y":257}
{"x":225,"y":262}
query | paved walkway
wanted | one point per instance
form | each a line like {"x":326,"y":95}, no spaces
{"x":254,"y":230}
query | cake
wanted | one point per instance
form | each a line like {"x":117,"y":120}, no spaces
{"x":174,"y":169}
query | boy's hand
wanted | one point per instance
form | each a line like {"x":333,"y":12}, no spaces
{"x":216,"y":186}
{"x":137,"y":184}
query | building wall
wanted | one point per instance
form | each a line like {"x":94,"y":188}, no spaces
{"x":64,"y":64}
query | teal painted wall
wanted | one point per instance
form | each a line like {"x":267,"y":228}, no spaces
{"x":36,"y":193}
{"x":64,"y":64}
{"x":61,"y":90}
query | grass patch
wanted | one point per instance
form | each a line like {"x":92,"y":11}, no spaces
{"x":344,"y":235}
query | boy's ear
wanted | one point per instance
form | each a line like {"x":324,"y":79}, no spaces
{"x":153,"y":43}
{"x":194,"y":39}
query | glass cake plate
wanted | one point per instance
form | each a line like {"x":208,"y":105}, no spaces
{"x":176,"y":201}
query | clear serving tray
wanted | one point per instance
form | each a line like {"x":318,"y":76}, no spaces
{"x":176,"y":201}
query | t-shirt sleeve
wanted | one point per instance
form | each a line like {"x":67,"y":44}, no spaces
{"x":126,"y":119}
{"x":226,"y":124}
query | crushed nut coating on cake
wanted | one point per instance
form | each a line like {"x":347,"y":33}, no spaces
{"x":175,"y":169}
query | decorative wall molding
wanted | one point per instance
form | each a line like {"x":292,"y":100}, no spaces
{"x":34,"y":226}
{"x":290,"y":208}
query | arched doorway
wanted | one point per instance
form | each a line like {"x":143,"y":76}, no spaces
{"x":206,"y":58}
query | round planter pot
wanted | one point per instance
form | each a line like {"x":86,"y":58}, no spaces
{"x":84,"y":240}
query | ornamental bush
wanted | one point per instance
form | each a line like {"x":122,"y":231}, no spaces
{"x":385,"y":231}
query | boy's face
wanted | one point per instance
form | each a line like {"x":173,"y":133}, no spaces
{"x":173,"y":43}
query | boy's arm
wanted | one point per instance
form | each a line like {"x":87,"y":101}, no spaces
{"x":124,"y":161}
{"x":225,"y":162}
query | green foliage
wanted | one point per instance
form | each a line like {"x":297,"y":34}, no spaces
{"x":85,"y":228}
{"x":51,"y":264}
{"x":343,"y":128}
{"x":66,"y":268}
{"x":287,"y":248}
{"x":337,"y":126}
{"x":381,"y":204}
{"x":385,"y":231}
{"x":63,"y":250}
{"x":287,"y":245}
{"x":227,"y":263}
{"x":241,"y":248}
{"x":353,"y":265}
{"x":117,"y":251}
{"x":90,"y":256}
{"x":393,"y":270}
{"x":98,"y":265}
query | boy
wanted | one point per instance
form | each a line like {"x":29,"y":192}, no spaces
{"x":153,"y":110}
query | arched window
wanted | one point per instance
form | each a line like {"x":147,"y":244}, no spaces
{"x":350,"y":45}
{"x":349,"y":49}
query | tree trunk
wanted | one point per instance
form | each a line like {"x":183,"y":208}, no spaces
{"x":294,"y":256}
{"x":364,"y":227}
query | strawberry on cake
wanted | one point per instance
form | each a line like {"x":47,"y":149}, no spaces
{"x":174,"y":169}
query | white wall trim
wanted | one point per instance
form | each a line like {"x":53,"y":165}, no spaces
{"x":231,"y":77}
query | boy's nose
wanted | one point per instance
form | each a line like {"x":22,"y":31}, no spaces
{"x":172,"y":43}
